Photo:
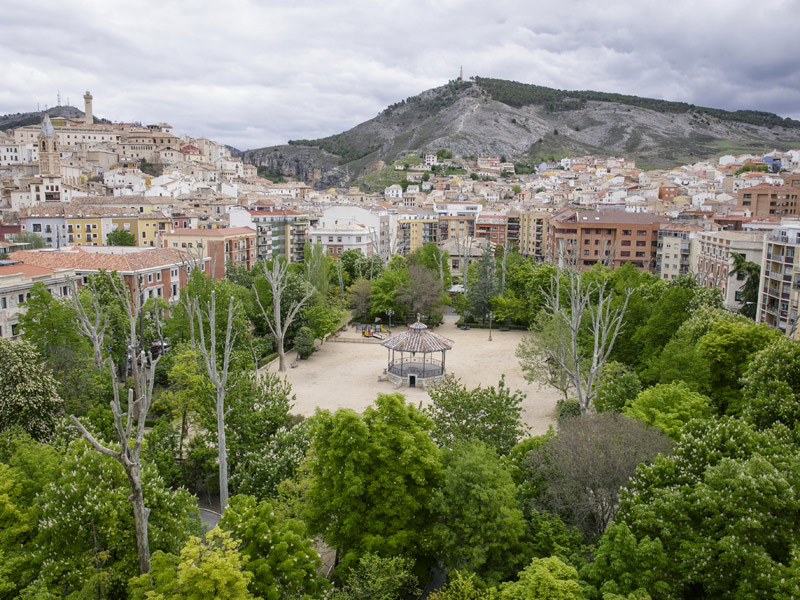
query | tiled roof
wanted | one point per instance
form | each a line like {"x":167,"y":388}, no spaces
{"x":25,"y":270}
{"x":83,"y":260}
{"x":220,"y":233}
{"x":418,"y":339}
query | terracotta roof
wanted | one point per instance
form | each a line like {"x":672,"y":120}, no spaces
{"x":221,"y":233}
{"x":26,"y":270}
{"x":84,"y":260}
{"x":418,"y":339}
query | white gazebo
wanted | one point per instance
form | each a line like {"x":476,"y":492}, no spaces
{"x":416,"y":364}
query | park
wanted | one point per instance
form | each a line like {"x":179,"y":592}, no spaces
{"x":345,"y":370}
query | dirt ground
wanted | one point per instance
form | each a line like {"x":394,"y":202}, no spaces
{"x":345,"y":375}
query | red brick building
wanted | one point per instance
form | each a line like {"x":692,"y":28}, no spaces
{"x":596,"y":236}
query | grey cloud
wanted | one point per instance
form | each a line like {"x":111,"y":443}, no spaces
{"x":257,"y":73}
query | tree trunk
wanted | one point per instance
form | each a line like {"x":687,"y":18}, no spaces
{"x":140,"y":516}
{"x":222,"y":453}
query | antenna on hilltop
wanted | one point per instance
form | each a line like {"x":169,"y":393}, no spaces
{"x":461,"y":74}
{"x":58,"y":97}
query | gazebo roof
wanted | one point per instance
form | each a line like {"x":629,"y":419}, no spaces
{"x":418,"y":339}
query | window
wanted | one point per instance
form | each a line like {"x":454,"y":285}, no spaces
{"x":625,"y":243}
{"x":641,"y":232}
{"x":3,"y":302}
{"x":158,"y":276}
{"x":150,"y":278}
{"x":625,"y":253}
{"x":20,"y":298}
{"x":627,"y":232}
{"x":37,"y":227}
{"x":639,"y":254}
{"x":641,"y":243}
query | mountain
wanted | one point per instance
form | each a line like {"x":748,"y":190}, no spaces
{"x":528,"y":123}
{"x":34,"y":118}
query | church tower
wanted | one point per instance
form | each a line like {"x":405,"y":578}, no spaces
{"x":49,"y":157}
{"x":87,"y":108}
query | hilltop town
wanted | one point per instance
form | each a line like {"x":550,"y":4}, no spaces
{"x":76,"y":182}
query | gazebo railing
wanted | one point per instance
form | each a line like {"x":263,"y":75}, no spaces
{"x":414,"y":366}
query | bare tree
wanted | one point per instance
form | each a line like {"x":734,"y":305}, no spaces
{"x":218,"y":374}
{"x":191,"y":260}
{"x":128,"y":426}
{"x":278,"y":279}
{"x":570,"y":301}
{"x":586,"y":465}
{"x":503,"y":270}
{"x":92,"y":326}
{"x":439,"y":259}
{"x":463,"y":245}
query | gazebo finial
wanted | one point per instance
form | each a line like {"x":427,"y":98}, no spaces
{"x":419,"y":317}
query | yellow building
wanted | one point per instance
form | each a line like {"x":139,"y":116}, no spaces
{"x":147,"y":229}
{"x":531,"y":233}
{"x":414,"y":232}
{"x":87,"y":229}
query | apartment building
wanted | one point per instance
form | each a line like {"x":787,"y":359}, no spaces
{"x":765,"y":199}
{"x":614,"y":237}
{"x":531,"y":236}
{"x":160,"y":272}
{"x":715,"y":261}
{"x":340,"y":238}
{"x":16,"y":281}
{"x":780,"y":279}
{"x":280,"y":232}
{"x":493,"y":227}
{"x":231,"y":244}
{"x":677,"y":250}
{"x":414,"y":231}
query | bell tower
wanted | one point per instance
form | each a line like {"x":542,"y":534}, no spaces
{"x":49,"y":157}
{"x":87,"y":108}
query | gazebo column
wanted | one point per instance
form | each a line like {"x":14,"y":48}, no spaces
{"x":442,"y":362}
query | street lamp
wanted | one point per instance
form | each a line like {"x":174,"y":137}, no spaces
{"x":491,"y":316}
{"x":390,"y":312}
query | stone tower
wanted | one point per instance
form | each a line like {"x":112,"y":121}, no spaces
{"x":49,"y":157}
{"x":87,"y":100}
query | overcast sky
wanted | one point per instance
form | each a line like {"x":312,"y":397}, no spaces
{"x":253,"y":74}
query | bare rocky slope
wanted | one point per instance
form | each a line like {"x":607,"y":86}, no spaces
{"x":529,"y":123}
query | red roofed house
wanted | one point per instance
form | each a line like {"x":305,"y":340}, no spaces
{"x":161,"y":272}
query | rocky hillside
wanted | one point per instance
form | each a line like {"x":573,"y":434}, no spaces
{"x":527,"y":122}
{"x":34,"y":118}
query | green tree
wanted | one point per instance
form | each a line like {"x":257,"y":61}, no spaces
{"x":207,"y":568}
{"x":379,"y":578}
{"x":480,"y":526}
{"x":28,"y":396}
{"x":259,"y":413}
{"x":385,"y":291}
{"x":624,"y":565}
{"x":278,"y":553}
{"x":750,"y":272}
{"x":86,"y":540}
{"x":49,"y":324}
{"x":619,"y":384}
{"x":34,"y":240}
{"x":422,"y":292}
{"x":323,"y":316}
{"x":27,"y":468}
{"x":463,"y":587}
{"x":189,"y":394}
{"x":544,"y":579}
{"x":120,"y":237}
{"x":669,"y":406}
{"x":359,"y":296}
{"x":490,"y":415}
{"x":372,"y":478}
{"x":483,"y":284}
{"x":304,"y":342}
{"x":772,"y":385}
{"x":725,"y":507}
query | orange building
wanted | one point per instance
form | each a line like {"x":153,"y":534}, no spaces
{"x":234,"y":244}
{"x":617,"y":237}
